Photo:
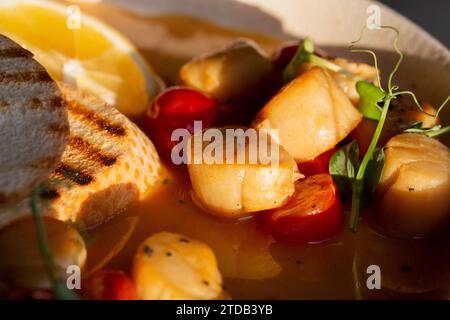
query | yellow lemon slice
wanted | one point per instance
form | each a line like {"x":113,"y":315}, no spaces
{"x":83,"y":51}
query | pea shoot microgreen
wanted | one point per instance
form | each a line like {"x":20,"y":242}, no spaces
{"x":370,"y":96}
{"x":305,"y":54}
{"x":432,"y":132}
{"x":370,"y":169}
{"x":374,"y":155}
{"x":344,"y":165}
{"x":59,"y":286}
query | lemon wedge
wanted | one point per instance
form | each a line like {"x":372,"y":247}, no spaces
{"x":83,"y":51}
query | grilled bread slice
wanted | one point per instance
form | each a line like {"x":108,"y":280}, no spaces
{"x":107,"y":165}
{"x":33,"y":122}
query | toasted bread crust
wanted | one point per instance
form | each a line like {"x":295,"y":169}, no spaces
{"x":107,"y":165}
{"x":33,"y":122}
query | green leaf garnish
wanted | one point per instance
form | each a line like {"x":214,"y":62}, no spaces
{"x":59,"y":286}
{"x":370,"y":96}
{"x":343,"y":167}
{"x":305,"y":54}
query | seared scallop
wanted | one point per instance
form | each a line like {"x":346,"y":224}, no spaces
{"x":415,"y":186}
{"x":168,"y":266}
{"x":252,"y":179}
{"x":348,"y":84}
{"x":228,"y":73}
{"x":312,"y":115}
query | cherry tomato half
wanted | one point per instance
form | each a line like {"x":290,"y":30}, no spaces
{"x":317,"y":165}
{"x":177,"y":107}
{"x":313,"y":214}
{"x":108,"y":285}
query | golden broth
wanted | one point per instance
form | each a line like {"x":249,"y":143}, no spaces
{"x":254,"y":266}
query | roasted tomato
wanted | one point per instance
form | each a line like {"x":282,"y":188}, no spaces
{"x":313,"y":214}
{"x":175,"y":108}
{"x":317,"y":165}
{"x":108,"y":285}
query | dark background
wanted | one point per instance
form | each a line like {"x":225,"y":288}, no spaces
{"x":432,"y":15}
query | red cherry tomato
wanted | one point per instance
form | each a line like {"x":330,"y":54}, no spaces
{"x":313,"y":214}
{"x":108,"y":285}
{"x":317,"y":165}
{"x":178,"y":107}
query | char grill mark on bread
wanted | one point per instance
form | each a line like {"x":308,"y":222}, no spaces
{"x":57,"y":128}
{"x":91,"y":151}
{"x":72,"y":174}
{"x":78,"y":110}
{"x":9,"y":51}
{"x":26,"y":77}
{"x":33,"y":122}
{"x":55,"y":103}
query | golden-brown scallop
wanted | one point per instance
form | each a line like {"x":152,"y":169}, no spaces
{"x":415,"y":186}
{"x":346,"y":83}
{"x":312,"y":114}
{"x":169,"y":266}
{"x":243,"y":185}
{"x":228,"y":73}
{"x":21,"y":261}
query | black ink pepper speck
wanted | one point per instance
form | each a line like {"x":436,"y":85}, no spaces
{"x":148,"y":250}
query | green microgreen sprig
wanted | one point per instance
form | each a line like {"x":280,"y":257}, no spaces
{"x":371,"y":97}
{"x":305,"y":54}
{"x":432,"y":132}
{"x":59,"y":286}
